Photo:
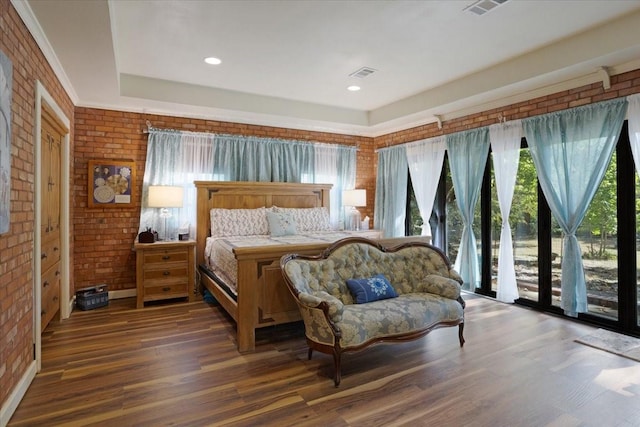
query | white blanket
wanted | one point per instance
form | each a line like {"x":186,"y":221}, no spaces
{"x":221,"y":260}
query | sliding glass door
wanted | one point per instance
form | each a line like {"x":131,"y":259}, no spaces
{"x":609,"y":238}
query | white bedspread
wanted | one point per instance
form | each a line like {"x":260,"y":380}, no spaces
{"x":221,"y":260}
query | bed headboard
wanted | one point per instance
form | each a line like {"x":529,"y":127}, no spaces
{"x":249,"y":195}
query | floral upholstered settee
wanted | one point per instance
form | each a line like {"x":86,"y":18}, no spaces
{"x":357,"y":293}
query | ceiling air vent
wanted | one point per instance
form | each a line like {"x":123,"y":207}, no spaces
{"x":362,"y":72}
{"x":481,"y":7}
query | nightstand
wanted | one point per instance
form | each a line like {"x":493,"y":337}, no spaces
{"x":164,"y":270}
{"x":367,"y":234}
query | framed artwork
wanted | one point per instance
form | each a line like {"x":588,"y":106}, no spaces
{"x":6,"y":83}
{"x":111,"y":183}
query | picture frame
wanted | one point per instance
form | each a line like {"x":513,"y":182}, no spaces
{"x":111,"y":183}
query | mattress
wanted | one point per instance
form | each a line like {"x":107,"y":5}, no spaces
{"x":221,"y":260}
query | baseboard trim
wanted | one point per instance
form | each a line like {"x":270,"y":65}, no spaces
{"x":124,"y":293}
{"x":14,"y":399}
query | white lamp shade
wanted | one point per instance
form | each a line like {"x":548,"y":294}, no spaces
{"x":165,"y":196}
{"x":354,"y":198}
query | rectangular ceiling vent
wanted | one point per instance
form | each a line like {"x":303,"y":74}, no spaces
{"x":362,"y":72}
{"x":481,"y":7}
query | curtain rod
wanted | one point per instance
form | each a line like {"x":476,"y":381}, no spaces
{"x":150,"y":128}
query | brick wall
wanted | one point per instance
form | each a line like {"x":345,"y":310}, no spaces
{"x":16,"y":246}
{"x":104,"y":236}
{"x":621,"y":85}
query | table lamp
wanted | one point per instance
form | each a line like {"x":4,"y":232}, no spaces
{"x":164,"y":197}
{"x":353,"y":199}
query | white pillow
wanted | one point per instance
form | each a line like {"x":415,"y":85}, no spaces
{"x":238,"y":222}
{"x":309,"y":219}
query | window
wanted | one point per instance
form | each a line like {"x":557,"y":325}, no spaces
{"x":609,"y":256}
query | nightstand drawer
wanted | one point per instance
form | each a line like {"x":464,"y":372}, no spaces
{"x":163,"y":256}
{"x":153,"y":293}
{"x":166,"y":273}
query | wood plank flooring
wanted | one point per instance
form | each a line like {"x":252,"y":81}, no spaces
{"x":177,"y":365}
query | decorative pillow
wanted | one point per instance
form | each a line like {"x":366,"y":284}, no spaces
{"x":439,"y":285}
{"x":238,"y":222}
{"x":281,"y":224}
{"x":309,"y":219}
{"x":372,"y":289}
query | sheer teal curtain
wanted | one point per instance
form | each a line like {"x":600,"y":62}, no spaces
{"x":239,"y":158}
{"x":242,"y":158}
{"x":571,"y":151}
{"x":468,"y":153}
{"x":391,"y":191}
{"x":292,"y":161}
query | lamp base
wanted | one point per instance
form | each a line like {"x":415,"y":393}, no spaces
{"x":353,"y":220}
{"x":164,"y":213}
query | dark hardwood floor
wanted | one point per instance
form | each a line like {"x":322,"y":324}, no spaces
{"x":177,"y":365}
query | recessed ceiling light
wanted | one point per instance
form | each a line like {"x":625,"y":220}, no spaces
{"x":212,"y":61}
{"x":353,"y":88}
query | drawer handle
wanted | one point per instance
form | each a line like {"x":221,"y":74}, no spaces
{"x":43,"y":312}
{"x":57,"y":273}
{"x":166,"y":289}
{"x":55,"y":298}
{"x":55,"y":249}
{"x":166,"y":257}
{"x":43,"y":256}
{"x":166,"y":273}
{"x":45,"y":284}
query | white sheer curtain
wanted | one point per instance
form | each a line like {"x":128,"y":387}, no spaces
{"x":335,"y":165}
{"x":176,"y":158}
{"x":196,"y":164}
{"x":425,"y":159}
{"x":505,"y":144}
{"x":633,"y":116}
{"x":326,"y":169}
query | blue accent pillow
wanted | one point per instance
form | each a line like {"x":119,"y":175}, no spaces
{"x":281,"y":224}
{"x":372,"y":289}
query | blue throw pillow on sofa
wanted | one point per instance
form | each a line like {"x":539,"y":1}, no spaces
{"x":372,"y":289}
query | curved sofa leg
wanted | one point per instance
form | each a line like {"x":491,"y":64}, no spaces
{"x":310,"y":353}
{"x":460,"y":333}
{"x":336,"y":366}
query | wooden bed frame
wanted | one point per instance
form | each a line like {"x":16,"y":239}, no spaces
{"x":263,"y":297}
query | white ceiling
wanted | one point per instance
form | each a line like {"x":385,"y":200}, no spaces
{"x":287,"y":63}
